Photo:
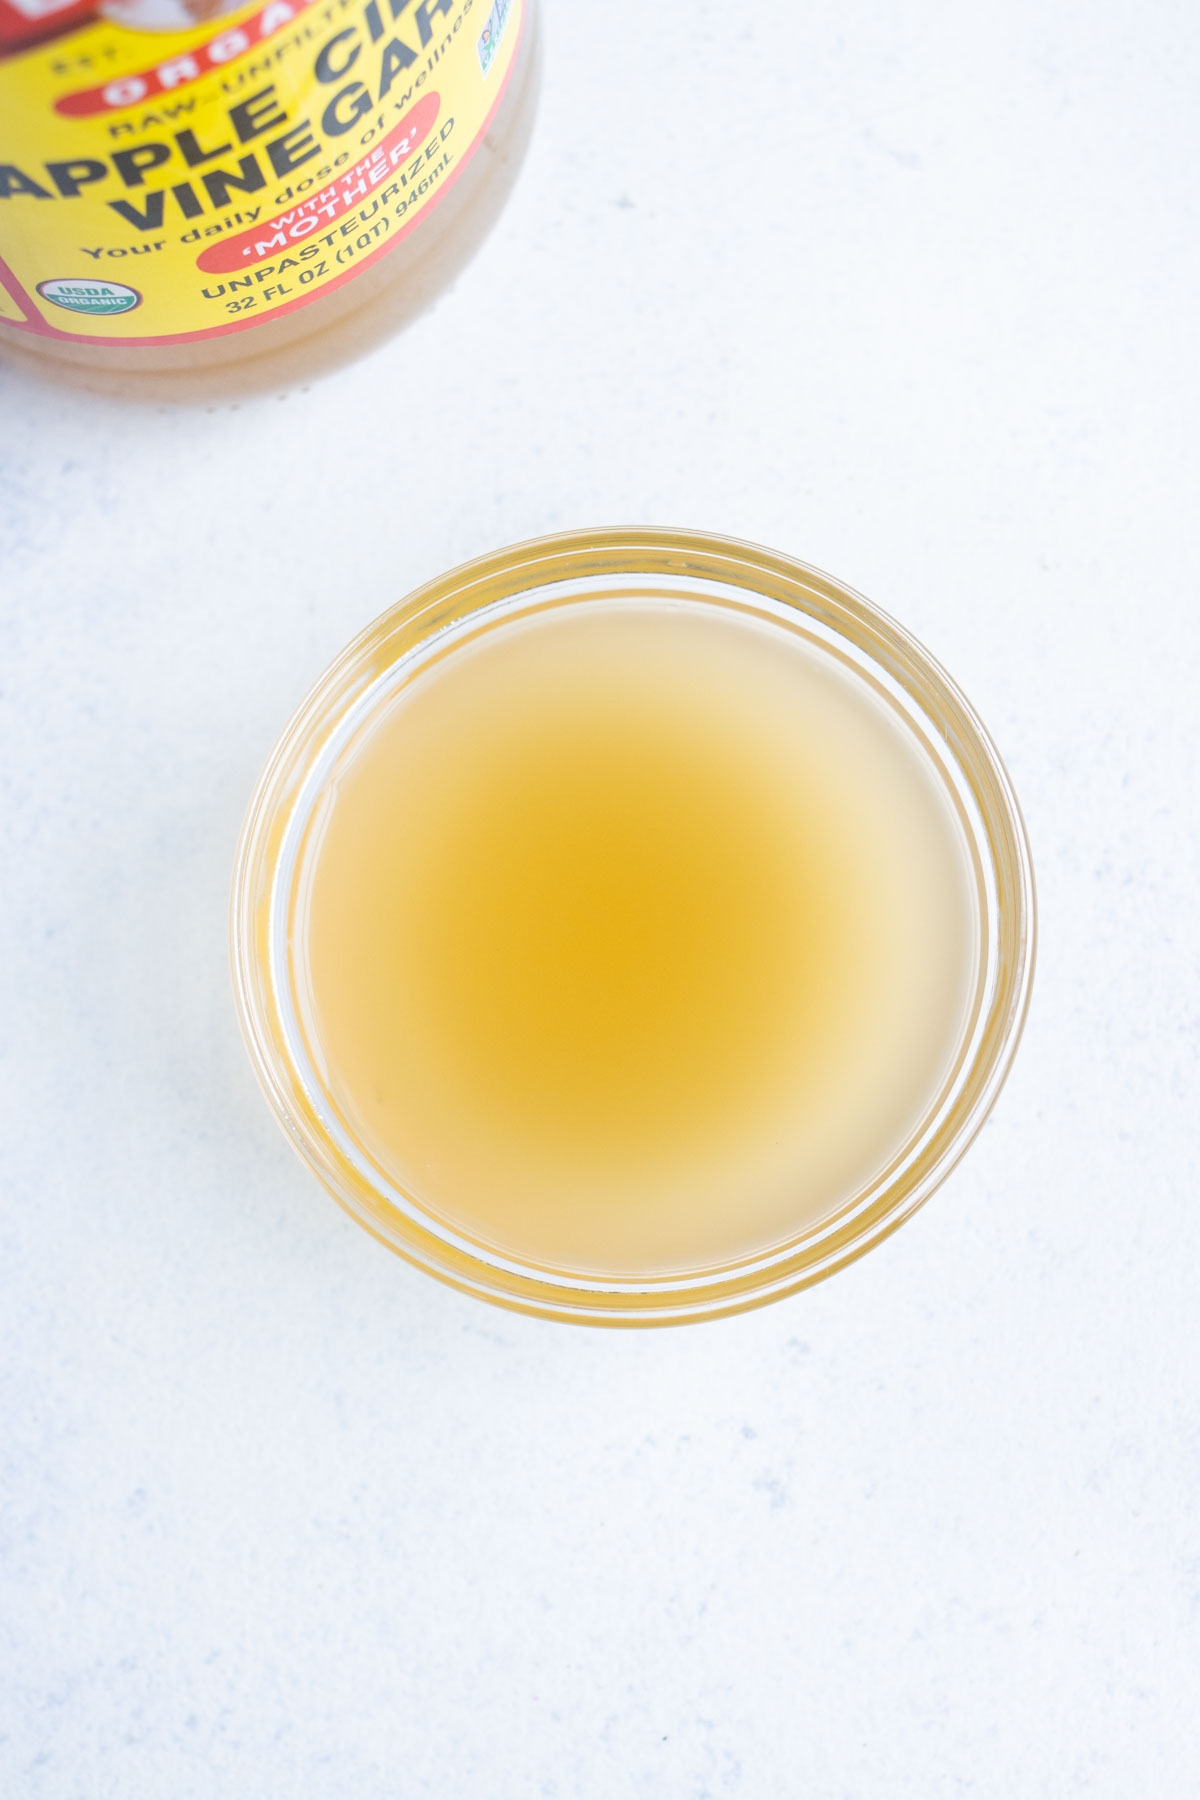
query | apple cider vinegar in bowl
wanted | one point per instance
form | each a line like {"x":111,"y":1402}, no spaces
{"x":632,"y":927}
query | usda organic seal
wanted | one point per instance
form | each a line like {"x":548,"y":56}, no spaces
{"x":99,"y":298}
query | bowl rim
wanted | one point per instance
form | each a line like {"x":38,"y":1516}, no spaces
{"x":563,"y":567}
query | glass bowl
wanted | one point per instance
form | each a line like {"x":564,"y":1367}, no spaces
{"x":667,"y":566}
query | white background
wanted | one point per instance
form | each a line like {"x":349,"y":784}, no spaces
{"x":908,"y":290}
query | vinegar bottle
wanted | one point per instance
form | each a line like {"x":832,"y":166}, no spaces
{"x":197,"y":201}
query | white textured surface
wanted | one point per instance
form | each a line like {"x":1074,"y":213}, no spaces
{"x":908,"y":290}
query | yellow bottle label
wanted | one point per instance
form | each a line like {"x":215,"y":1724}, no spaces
{"x":163,"y":186}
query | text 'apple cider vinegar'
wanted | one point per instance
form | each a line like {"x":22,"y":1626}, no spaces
{"x":196,"y":197}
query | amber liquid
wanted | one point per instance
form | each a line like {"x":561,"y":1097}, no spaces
{"x":634,"y":938}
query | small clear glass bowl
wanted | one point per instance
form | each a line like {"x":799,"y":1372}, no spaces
{"x":658,"y":566}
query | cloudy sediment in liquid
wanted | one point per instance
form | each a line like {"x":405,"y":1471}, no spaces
{"x":634,"y":938}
